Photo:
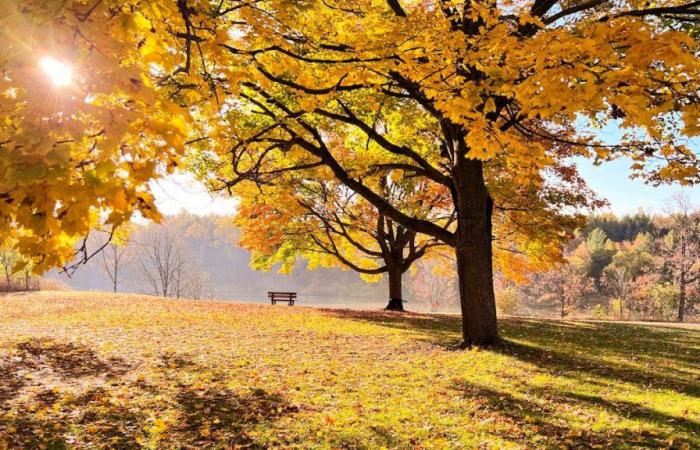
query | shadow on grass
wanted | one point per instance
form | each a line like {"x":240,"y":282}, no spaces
{"x":221,"y":417}
{"x":67,"y":359}
{"x":578,"y":366}
{"x":634,"y":411}
{"x":90,"y":420}
{"x":119,"y":413}
{"x":573,"y":348}
{"x":440,"y":329}
{"x":174,"y":360}
{"x":42,"y":418}
{"x":526,"y":422}
{"x":28,"y":430}
{"x":645,"y":357}
{"x":48,"y":420}
{"x":11,"y":379}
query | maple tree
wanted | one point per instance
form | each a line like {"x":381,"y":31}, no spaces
{"x":83,"y":127}
{"x":329,"y":225}
{"x":462,"y":94}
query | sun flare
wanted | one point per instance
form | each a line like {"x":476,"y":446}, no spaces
{"x":58,"y":72}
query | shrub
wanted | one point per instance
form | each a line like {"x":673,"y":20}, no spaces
{"x":600,"y":312}
{"x":507,"y":300}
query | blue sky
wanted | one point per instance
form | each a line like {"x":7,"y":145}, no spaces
{"x":611,"y":181}
{"x":626,"y":196}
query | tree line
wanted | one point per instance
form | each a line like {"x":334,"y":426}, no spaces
{"x":209,"y":246}
{"x":640,"y":266}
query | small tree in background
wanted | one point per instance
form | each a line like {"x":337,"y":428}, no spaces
{"x":198,"y":286}
{"x":17,"y":270}
{"x":566,"y":287}
{"x":434,"y":283}
{"x":599,"y":252}
{"x":114,"y":257}
{"x":507,"y":299}
{"x":680,"y":248}
{"x":163,"y":263}
{"x":8,"y":258}
{"x":620,"y":275}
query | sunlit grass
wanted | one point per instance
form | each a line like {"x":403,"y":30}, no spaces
{"x":90,"y":370}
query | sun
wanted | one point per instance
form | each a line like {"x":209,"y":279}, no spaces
{"x":58,"y":72}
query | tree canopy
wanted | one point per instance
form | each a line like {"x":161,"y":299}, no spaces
{"x":83,"y":128}
{"x":487,"y":100}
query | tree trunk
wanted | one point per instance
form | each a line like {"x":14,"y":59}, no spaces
{"x":8,"y":278}
{"x":115,"y":266}
{"x":395,"y":288}
{"x":681,"y":298}
{"x":474,"y":254}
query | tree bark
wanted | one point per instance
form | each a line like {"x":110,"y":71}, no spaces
{"x":474,"y":254}
{"x":395,"y":289}
{"x":681,"y":298}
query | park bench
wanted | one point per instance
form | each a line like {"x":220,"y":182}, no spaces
{"x":289,"y":297}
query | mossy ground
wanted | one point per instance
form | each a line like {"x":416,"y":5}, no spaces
{"x":89,"y":370}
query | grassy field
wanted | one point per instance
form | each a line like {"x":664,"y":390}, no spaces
{"x":86,"y":370}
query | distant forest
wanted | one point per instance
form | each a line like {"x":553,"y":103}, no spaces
{"x":632,"y":267}
{"x":207,"y":244}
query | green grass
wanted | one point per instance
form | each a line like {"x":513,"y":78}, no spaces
{"x":84,"y":370}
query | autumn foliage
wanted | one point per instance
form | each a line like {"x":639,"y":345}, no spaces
{"x":483,"y":100}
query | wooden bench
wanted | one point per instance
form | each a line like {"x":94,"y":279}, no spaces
{"x":289,"y":297}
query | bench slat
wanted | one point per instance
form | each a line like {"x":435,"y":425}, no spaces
{"x":289,"y":297}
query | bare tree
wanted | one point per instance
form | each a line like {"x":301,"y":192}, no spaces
{"x":198,"y":285}
{"x":680,"y":248}
{"x":163,"y":263}
{"x":114,"y":259}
